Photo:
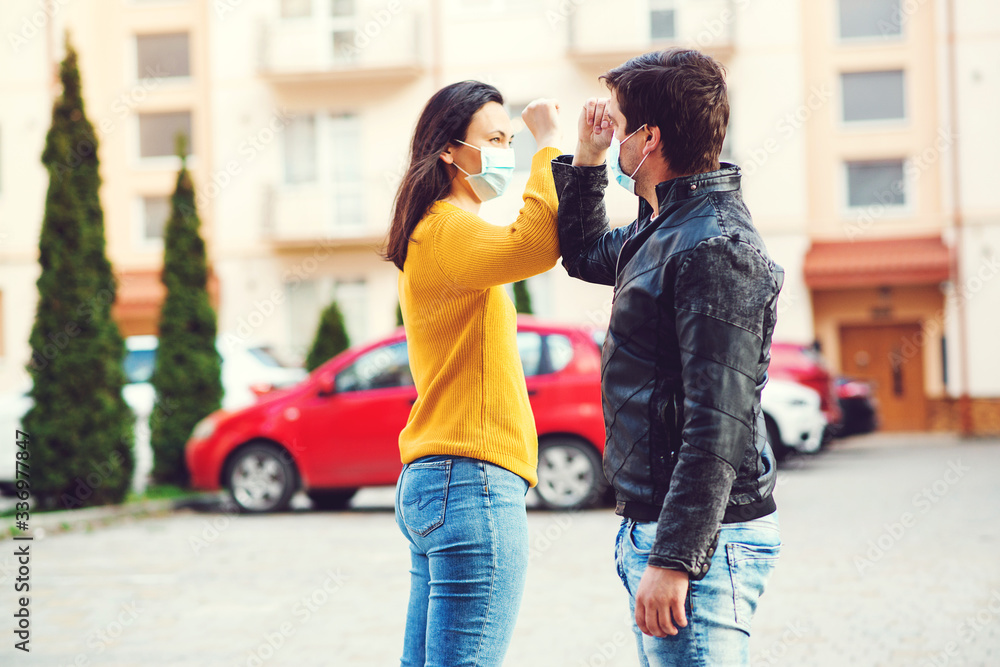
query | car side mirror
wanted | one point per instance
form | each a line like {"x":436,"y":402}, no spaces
{"x":327,"y":384}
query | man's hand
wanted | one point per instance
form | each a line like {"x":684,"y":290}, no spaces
{"x":541,"y":117}
{"x":595,"y":133}
{"x":659,"y":602}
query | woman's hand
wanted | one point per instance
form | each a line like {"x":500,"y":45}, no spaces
{"x":595,"y":133}
{"x":541,"y":117}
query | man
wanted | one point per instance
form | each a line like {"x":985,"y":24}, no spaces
{"x":685,"y":357}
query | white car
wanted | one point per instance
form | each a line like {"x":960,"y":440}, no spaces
{"x":793,"y":416}
{"x":247,"y":371}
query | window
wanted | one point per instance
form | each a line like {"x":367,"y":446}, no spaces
{"x":560,"y":352}
{"x":873,"y":95}
{"x":306,"y":301}
{"x":300,"y":150}
{"x":165,"y":55}
{"x":139,"y":365}
{"x":352,"y":297}
{"x":872,"y":183}
{"x":870,"y":18}
{"x":158,"y":133}
{"x":529,"y":346}
{"x":342,"y":8}
{"x":345,"y":156}
{"x":155,"y":213}
{"x":293,"y":9}
{"x":662,"y":20}
{"x":382,"y":368}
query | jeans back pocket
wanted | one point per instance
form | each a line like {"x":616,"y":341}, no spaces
{"x":423,"y":495}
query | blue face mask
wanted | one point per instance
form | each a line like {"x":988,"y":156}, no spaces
{"x":495,"y":174}
{"x":614,"y":155}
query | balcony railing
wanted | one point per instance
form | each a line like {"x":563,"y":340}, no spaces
{"x":380,"y":46}
{"x":310,"y":214}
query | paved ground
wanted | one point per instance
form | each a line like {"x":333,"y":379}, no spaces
{"x":891,"y":557}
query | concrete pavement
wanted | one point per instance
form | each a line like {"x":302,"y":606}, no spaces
{"x":891,"y":557}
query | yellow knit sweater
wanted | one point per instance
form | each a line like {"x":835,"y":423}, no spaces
{"x":461,"y":328}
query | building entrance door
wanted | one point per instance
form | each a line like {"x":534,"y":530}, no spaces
{"x":892,"y":360}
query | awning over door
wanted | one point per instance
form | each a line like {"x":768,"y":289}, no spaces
{"x":882,"y":262}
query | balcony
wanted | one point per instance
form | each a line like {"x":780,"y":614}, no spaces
{"x":301,"y":216}
{"x":601,"y":40}
{"x":376,"y":47}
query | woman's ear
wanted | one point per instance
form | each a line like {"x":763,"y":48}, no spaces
{"x":446,"y":155}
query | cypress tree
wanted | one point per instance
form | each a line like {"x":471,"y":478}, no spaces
{"x":399,"y":314}
{"x":187,"y":376}
{"x":80,"y":425}
{"x":331,"y":338}
{"x":522,"y":299}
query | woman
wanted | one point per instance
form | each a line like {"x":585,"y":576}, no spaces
{"x":469,"y":448}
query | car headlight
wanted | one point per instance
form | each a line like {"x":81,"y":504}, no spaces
{"x":205,"y":428}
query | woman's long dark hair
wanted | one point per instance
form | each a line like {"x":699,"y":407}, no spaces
{"x":445,"y":119}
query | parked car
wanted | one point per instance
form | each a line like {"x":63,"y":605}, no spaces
{"x":247,"y":371}
{"x":857,"y":404}
{"x":805,"y":365}
{"x":339,"y":430}
{"x":794,"y":418}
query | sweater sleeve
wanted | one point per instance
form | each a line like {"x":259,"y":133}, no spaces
{"x":475,"y":254}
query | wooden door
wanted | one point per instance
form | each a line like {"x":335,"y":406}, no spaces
{"x":891,"y":358}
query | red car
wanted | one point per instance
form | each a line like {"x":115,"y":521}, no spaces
{"x":338,"y":430}
{"x":805,"y":365}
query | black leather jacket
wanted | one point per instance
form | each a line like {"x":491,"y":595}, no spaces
{"x":686,"y":353}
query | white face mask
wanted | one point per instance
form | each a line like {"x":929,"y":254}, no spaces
{"x":614,"y":155}
{"x":495,"y":174}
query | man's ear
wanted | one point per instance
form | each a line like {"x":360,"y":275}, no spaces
{"x":652,"y":142}
{"x":446,"y":155}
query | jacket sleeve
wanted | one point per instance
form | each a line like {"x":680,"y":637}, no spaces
{"x":721,"y":292}
{"x":474,"y":254}
{"x":589,"y":246}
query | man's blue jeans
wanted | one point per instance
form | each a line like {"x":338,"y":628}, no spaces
{"x":720,"y":607}
{"x":468,"y":533}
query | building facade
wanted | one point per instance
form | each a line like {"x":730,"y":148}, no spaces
{"x":859,"y":124}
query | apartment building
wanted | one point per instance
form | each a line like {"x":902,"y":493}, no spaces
{"x":300,"y":111}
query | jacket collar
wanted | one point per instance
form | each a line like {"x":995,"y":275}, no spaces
{"x":725,"y":179}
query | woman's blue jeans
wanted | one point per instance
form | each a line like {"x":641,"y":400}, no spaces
{"x":468,"y":533}
{"x":719,"y":607}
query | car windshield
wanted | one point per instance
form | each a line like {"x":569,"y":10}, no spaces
{"x":266,"y":357}
{"x":139,"y":365}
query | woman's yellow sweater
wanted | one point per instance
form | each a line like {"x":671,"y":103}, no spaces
{"x":461,"y":328}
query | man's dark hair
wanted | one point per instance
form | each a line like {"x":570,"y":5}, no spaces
{"x":682,"y":92}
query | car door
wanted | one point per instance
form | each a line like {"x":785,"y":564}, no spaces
{"x":355,"y":430}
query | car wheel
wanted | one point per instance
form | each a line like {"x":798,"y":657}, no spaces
{"x":570,"y":475}
{"x":331,"y":499}
{"x":781,"y":451}
{"x":261,"y":478}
